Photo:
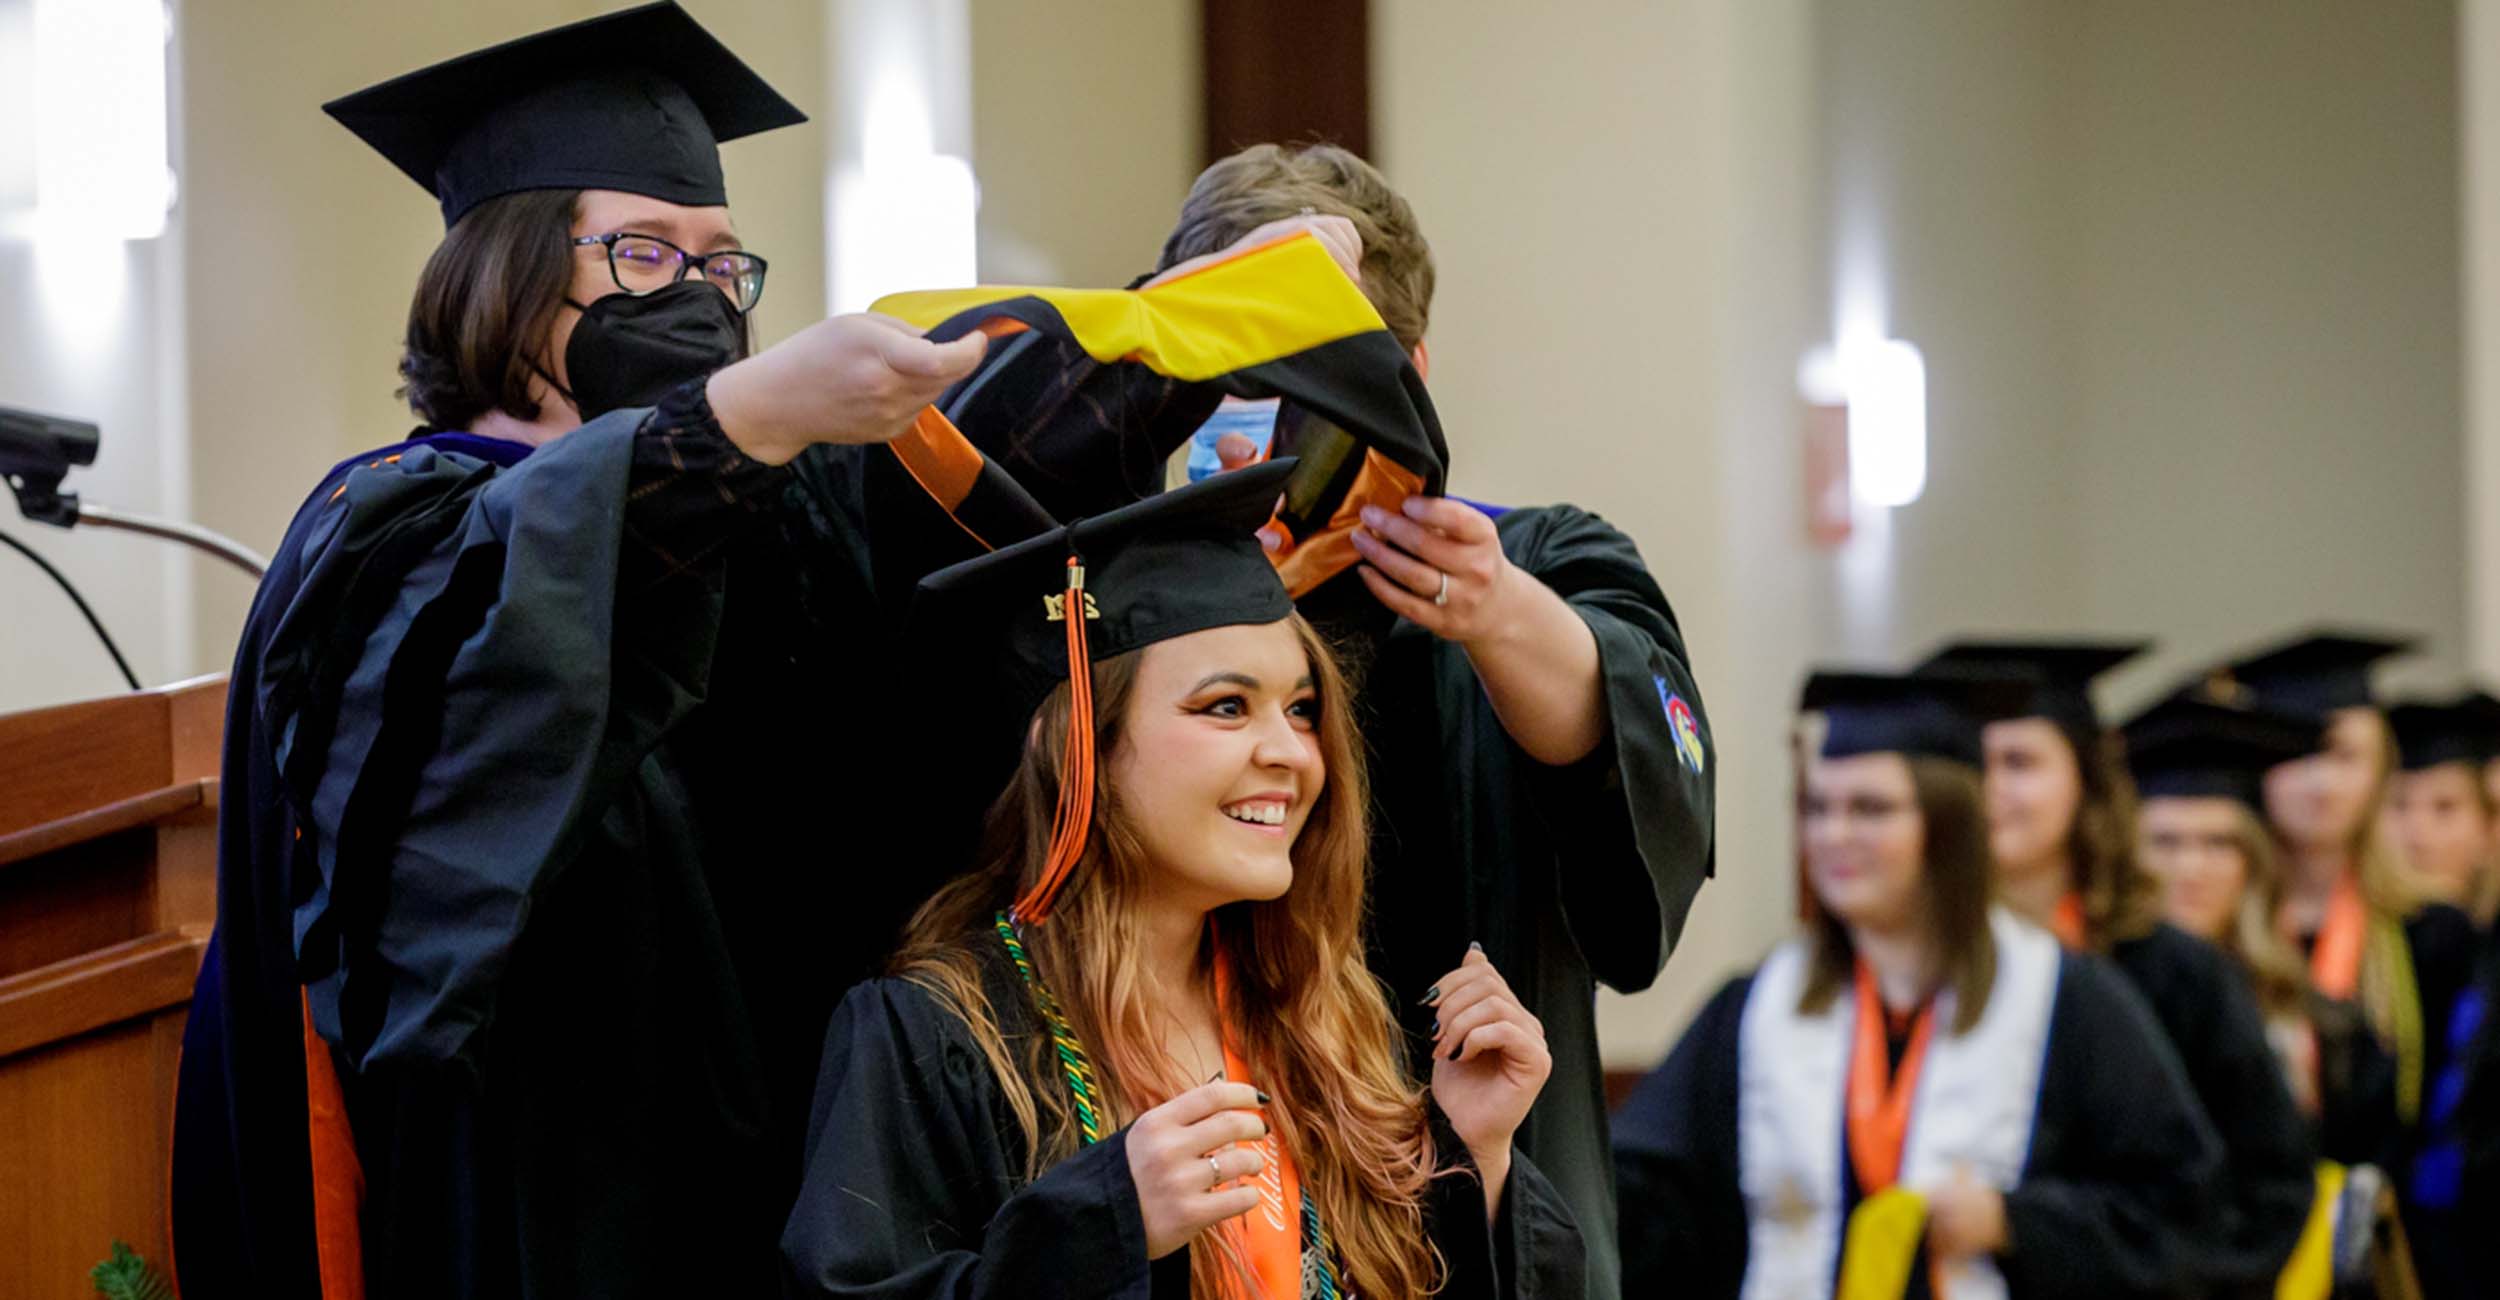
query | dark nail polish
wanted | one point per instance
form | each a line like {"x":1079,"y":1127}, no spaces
{"x":1436,"y":1029}
{"x":1263,"y":1098}
{"x":1432,"y":995}
{"x":1456,"y":1050}
{"x":1473,"y":946}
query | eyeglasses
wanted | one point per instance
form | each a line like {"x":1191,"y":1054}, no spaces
{"x":642,"y":264}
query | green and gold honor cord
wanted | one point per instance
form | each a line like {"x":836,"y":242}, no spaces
{"x":1318,"y":1255}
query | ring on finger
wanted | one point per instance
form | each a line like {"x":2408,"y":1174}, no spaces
{"x":1218,"y":1170}
{"x":1442,"y":597}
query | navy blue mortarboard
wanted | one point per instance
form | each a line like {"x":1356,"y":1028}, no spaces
{"x":2189,"y":747}
{"x":1929,"y":715}
{"x":2316,"y":673}
{"x":638,"y":101}
{"x":1005,"y":629}
{"x":2464,"y":730}
{"x":2060,"y":673}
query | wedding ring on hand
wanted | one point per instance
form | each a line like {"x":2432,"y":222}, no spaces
{"x":1218,"y":1171}
{"x":1442,"y":597}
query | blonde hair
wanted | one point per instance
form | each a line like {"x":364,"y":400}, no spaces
{"x":2275,"y":971}
{"x":2386,"y":888}
{"x":1303,"y":1008}
{"x":1266,"y":182}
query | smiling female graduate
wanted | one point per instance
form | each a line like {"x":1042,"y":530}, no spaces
{"x":1136,"y":1052}
{"x":1922,"y":1090}
{"x":2061,"y":827}
{"x":508,"y":945}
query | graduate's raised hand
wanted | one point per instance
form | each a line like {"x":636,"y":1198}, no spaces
{"x":859,"y":378}
{"x":1489,"y":1062}
{"x":1186,"y":1164}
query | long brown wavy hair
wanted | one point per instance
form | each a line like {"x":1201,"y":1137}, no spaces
{"x":1303,"y":1010}
{"x":2121,"y":900}
{"x":1957,"y":885}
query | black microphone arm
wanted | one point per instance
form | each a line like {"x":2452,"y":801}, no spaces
{"x":37,"y":451}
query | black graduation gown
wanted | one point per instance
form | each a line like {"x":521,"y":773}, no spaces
{"x":2356,"y":1078}
{"x":2479,"y":1121}
{"x":2441,"y":944}
{"x":537,"y":912}
{"x":2449,"y":1247}
{"x":2269,"y":1169}
{"x":1569,"y":877}
{"x":915,"y":1182}
{"x":2120,"y":1157}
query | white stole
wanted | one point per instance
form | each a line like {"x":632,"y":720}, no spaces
{"x":1977,"y":1095}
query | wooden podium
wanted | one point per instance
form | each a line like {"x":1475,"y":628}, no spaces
{"x":108,"y":878}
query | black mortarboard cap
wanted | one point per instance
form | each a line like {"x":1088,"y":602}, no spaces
{"x":1931,"y":715}
{"x":2060,"y":673}
{"x":2317,"y":672}
{"x":638,"y":100}
{"x":2464,"y":730}
{"x":1004,"y":628}
{"x":2189,"y":746}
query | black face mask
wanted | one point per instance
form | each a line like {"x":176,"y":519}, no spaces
{"x":629,"y":351}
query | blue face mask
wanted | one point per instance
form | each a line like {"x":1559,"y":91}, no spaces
{"x":1255,"y":420}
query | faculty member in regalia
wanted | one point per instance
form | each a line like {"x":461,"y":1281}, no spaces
{"x":514,"y":930}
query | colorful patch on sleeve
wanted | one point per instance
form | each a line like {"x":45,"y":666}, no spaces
{"x":1688,"y":747}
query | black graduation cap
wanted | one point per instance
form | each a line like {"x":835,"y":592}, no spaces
{"x":1933,"y":715}
{"x":2060,"y":673}
{"x":2464,"y":730}
{"x":2318,"y":672}
{"x":638,"y":100}
{"x":1004,"y":628}
{"x":2189,"y":746}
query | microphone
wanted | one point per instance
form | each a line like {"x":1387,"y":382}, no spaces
{"x":36,"y":452}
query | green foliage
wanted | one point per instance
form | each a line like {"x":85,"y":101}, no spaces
{"x":125,"y":1276}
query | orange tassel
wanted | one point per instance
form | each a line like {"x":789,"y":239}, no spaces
{"x":1076,"y":781}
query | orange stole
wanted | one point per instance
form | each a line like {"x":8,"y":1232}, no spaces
{"x":2335,"y":963}
{"x":1879,"y":1108}
{"x":2067,"y":922}
{"x":1270,"y":1235}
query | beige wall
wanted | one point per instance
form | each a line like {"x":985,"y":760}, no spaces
{"x":1621,"y":302}
{"x":1085,"y":129}
{"x":2265,"y":415}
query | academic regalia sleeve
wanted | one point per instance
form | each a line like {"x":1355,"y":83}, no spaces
{"x":2269,"y":1171}
{"x":1632,"y":823}
{"x":1532,"y":1250}
{"x":2356,"y":1086}
{"x":2443,"y":943}
{"x":912,"y":1189}
{"x":457,"y":696}
{"x":1682,"y":1217}
{"x":2479,"y":1115}
{"x":2123,"y":1161}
